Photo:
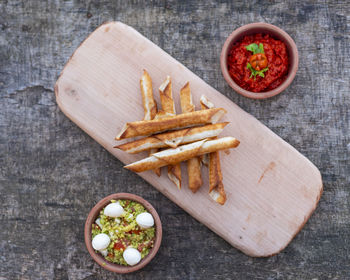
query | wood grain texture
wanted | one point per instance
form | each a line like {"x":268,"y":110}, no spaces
{"x":271,"y":188}
{"x":52,"y":173}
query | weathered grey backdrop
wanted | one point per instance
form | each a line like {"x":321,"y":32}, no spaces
{"x":52,"y":173}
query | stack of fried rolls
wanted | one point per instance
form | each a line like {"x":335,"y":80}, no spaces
{"x":171,"y":138}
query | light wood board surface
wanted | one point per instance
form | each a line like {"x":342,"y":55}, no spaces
{"x":271,"y":188}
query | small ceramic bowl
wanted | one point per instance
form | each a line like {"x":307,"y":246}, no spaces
{"x":276,"y":33}
{"x":93,"y":216}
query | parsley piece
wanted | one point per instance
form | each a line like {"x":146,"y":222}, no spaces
{"x":255,"y":48}
{"x":256,"y":72}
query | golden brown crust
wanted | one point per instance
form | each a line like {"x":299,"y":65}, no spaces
{"x":168,"y":106}
{"x":204,"y":106}
{"x":149,"y":104}
{"x":205,"y":103}
{"x":218,"y":194}
{"x":183,"y":153}
{"x":173,"y":138}
{"x":166,"y":96}
{"x":193,"y":164}
{"x":216,"y":187}
{"x":158,"y":171}
{"x":186,"y":99}
{"x":212,"y":160}
{"x":194,"y":174}
{"x":142,"y":128}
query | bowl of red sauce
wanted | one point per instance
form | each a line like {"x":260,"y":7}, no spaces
{"x":259,"y":60}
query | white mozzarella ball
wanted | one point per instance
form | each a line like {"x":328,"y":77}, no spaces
{"x":113,"y":210}
{"x":145,"y":220}
{"x":132,"y":256}
{"x":100,"y":241}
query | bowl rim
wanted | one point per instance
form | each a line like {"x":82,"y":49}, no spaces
{"x":92,"y":217}
{"x":269,"y":27}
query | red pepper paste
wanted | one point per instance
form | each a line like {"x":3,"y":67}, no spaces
{"x":277,"y":63}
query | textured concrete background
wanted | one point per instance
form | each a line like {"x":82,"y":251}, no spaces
{"x":52,"y":173}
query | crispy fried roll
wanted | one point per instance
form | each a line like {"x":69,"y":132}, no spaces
{"x":142,"y":128}
{"x":168,"y":106}
{"x":212,"y":160}
{"x":173,"y":138}
{"x":193,"y":164}
{"x":182,"y":153}
{"x":149,"y":104}
{"x":216,"y":187}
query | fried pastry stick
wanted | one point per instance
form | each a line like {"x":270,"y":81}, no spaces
{"x":172,"y":139}
{"x":216,"y":187}
{"x":168,"y":106}
{"x":193,"y":164}
{"x":182,"y":153}
{"x":149,"y":104}
{"x":142,"y":128}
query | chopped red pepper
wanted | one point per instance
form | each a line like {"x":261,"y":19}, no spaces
{"x":136,"y":231}
{"x":140,"y":247}
{"x":119,"y":246}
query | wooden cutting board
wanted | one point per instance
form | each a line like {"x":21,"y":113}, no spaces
{"x":271,"y":188}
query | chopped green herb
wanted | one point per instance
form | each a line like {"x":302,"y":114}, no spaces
{"x":256,"y":72}
{"x":255,"y":48}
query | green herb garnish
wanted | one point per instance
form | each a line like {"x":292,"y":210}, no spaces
{"x":256,"y":72}
{"x":255,"y":48}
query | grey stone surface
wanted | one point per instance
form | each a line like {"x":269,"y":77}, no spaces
{"x":52,"y":173}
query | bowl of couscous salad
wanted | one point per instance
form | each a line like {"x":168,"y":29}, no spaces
{"x":123,"y":232}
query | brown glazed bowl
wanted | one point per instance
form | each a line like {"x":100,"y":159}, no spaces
{"x":93,"y":216}
{"x":275,"y":32}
